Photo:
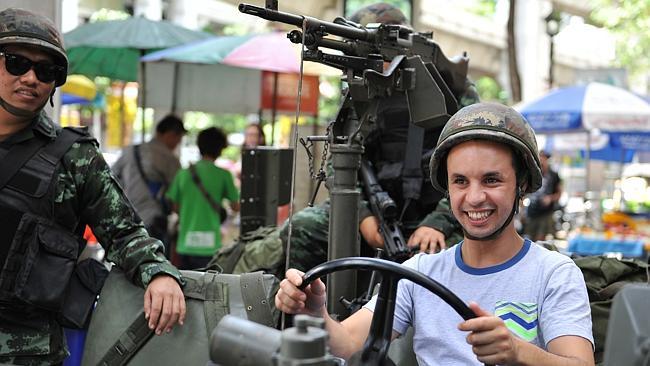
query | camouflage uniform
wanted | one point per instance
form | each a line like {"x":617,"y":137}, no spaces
{"x":82,"y":191}
{"x":85,"y":193}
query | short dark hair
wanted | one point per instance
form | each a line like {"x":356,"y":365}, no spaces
{"x":212,"y":141}
{"x":171,"y":122}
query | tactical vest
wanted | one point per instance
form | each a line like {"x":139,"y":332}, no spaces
{"x":37,"y":254}
{"x":391,"y":148}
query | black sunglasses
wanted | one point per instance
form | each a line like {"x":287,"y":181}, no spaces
{"x":18,"y":65}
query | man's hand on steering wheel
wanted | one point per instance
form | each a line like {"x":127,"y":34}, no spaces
{"x":290,"y":299}
{"x":491,"y":341}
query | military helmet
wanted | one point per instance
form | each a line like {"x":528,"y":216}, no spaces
{"x":19,"y":26}
{"x":379,"y":13}
{"x":487,"y":121}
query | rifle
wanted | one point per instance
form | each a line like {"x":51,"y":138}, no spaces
{"x":385,"y":210}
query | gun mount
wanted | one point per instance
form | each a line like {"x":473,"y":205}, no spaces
{"x":379,"y":62}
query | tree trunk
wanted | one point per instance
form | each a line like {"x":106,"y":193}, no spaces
{"x":513,"y":68}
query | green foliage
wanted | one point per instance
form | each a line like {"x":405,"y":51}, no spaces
{"x":236,"y":29}
{"x":489,"y":90}
{"x":229,"y":123}
{"x":108,"y":14}
{"x":231,"y":153}
{"x":485,"y":8}
{"x":329,"y":105}
{"x":629,"y":21}
{"x":404,"y":5}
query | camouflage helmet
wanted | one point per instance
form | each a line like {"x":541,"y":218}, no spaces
{"x":488,"y":121}
{"x":19,"y":26}
{"x":379,"y":13}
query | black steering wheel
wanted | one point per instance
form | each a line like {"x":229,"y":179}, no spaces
{"x":381,"y":329}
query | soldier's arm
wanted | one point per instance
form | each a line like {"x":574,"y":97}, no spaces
{"x":104,"y":206}
{"x":106,"y":209}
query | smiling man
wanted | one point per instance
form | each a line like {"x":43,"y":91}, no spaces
{"x":531,"y":303}
{"x":54,"y":182}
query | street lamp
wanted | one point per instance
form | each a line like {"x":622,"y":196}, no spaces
{"x":552,"y":29}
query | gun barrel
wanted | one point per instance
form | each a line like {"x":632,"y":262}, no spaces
{"x":313,"y":23}
{"x":272,"y":15}
{"x":295,"y":36}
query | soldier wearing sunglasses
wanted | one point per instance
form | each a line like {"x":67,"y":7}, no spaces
{"x":49,"y":191}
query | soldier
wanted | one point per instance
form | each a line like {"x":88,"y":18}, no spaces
{"x":54,"y":181}
{"x":531,"y":303}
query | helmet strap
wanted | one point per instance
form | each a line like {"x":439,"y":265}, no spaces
{"x":497,"y":232}
{"x":20,"y":112}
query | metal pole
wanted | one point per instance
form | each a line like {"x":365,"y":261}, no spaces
{"x":587,"y":163}
{"x":343,"y":239}
{"x":143,"y":99}
{"x":275,"y":106}
{"x":175,"y":87}
{"x":550,"y":67}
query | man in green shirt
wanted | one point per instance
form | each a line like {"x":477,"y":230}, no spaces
{"x":197,"y":193}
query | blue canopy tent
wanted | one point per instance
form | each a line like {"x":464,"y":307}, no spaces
{"x":604,"y":147}
{"x":594,"y":108}
{"x":588,"y":107}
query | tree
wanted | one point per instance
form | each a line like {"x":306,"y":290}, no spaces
{"x":513,"y":68}
{"x":629,"y":21}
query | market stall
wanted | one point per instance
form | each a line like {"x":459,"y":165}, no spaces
{"x":609,"y":124}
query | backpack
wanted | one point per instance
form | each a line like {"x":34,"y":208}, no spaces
{"x":604,"y":278}
{"x":258,"y":250}
{"x":119,"y":334}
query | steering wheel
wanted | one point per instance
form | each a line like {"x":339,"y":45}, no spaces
{"x":381,"y":329}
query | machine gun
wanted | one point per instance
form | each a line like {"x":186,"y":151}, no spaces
{"x":418,"y":66}
{"x":418,"y":72}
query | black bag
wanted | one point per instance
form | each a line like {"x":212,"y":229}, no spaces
{"x":50,"y":277}
{"x":119,"y":334}
{"x":84,"y":286}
